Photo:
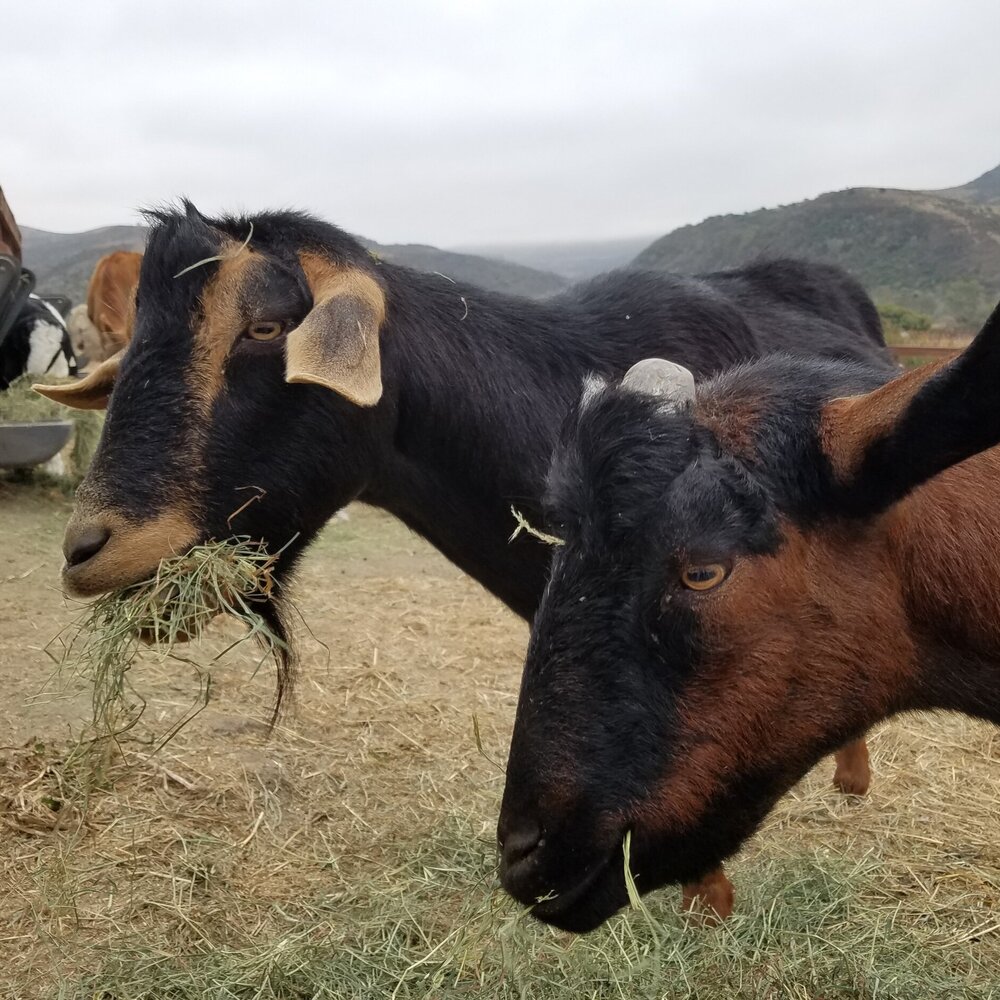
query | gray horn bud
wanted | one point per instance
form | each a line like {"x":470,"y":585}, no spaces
{"x":674,"y":384}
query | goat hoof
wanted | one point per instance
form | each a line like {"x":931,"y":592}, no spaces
{"x":852,"y":781}
{"x":709,"y":901}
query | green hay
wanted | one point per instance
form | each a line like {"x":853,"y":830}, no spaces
{"x":19,"y":403}
{"x":434,"y":925}
{"x":232,"y":577}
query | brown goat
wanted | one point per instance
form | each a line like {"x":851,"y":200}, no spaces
{"x":751,"y":576}
{"x":111,"y":299}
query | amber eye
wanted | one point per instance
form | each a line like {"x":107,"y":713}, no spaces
{"x":704,"y":577}
{"x":265,"y":331}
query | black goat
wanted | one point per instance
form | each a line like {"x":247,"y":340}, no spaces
{"x":751,"y":574}
{"x":37,"y":344}
{"x":298,"y":365}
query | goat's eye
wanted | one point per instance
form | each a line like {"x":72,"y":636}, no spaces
{"x":704,"y":577}
{"x":265,"y":331}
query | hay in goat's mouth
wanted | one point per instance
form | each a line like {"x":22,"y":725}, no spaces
{"x":233,"y":577}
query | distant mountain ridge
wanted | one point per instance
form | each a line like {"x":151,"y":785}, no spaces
{"x":984,"y":190}
{"x":63,"y":262}
{"x":934,"y":251}
{"x":575,"y":261}
{"x":486,"y":272}
{"x":937,"y":252}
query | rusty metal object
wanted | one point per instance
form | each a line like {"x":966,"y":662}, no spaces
{"x":10,"y":235}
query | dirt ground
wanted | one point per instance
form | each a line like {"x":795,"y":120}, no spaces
{"x":228,"y":836}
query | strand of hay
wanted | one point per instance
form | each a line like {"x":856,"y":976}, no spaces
{"x":233,"y":577}
{"x":524,"y":525}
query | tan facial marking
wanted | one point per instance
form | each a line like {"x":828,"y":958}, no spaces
{"x":223,"y":320}
{"x":132,"y":553}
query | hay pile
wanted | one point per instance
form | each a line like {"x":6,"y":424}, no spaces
{"x":351,"y":852}
{"x":19,"y":403}
{"x":232,"y":577}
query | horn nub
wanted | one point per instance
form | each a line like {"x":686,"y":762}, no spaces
{"x":672,"y":383}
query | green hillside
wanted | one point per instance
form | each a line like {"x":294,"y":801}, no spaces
{"x":486,"y":272}
{"x":63,"y":262}
{"x":934,"y":251}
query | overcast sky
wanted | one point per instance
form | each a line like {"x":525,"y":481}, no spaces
{"x":473,"y":121}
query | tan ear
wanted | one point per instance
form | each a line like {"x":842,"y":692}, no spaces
{"x":91,"y":392}
{"x":337,"y":344}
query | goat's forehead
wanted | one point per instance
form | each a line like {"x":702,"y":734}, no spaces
{"x":632,"y":474}
{"x":621,"y":442}
{"x":179,"y":244}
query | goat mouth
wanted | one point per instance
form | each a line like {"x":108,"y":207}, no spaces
{"x":587,"y":904}
{"x":105,"y":552}
{"x":91,"y":579}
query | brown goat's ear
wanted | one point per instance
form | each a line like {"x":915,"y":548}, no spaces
{"x":886,"y":443}
{"x":337,"y":344}
{"x":91,"y":392}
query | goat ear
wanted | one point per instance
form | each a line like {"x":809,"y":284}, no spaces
{"x":886,"y":443}
{"x":91,"y":392}
{"x":337,"y":344}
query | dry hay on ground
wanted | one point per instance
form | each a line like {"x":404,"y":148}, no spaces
{"x":19,"y":403}
{"x":350,"y":854}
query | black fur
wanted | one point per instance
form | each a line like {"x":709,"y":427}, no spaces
{"x":16,"y":347}
{"x":476,"y":385}
{"x":637,"y":493}
{"x":954,"y":415}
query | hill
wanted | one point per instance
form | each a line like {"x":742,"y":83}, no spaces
{"x":486,"y":272}
{"x":984,"y":190}
{"x":934,"y":251}
{"x":576,"y":261}
{"x":63,"y":262}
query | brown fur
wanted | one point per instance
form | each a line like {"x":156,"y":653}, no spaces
{"x":111,"y":299}
{"x":10,"y":235}
{"x":853,"y":774}
{"x":732,"y":419}
{"x":849,"y":426}
{"x":776,"y":616}
{"x":943,"y":541}
{"x":710,"y":900}
{"x":858,"y":607}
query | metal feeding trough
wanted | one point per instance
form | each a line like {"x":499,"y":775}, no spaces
{"x":24,"y":445}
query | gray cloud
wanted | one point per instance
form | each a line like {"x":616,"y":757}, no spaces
{"x":469,"y":122}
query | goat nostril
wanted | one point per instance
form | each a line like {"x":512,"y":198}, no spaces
{"x":521,"y":843}
{"x":83,"y":545}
